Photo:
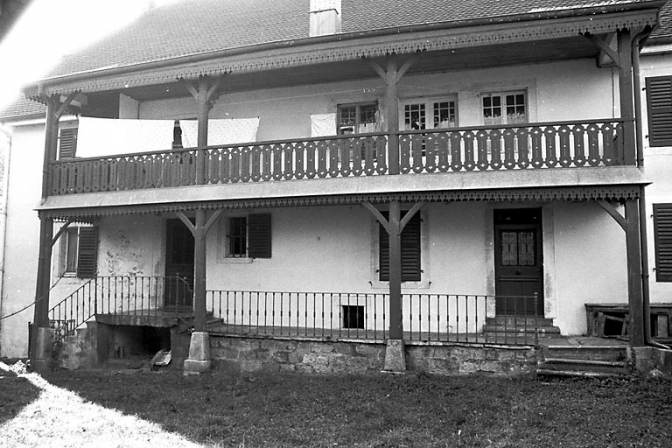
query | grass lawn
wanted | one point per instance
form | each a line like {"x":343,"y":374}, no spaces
{"x":383,"y":410}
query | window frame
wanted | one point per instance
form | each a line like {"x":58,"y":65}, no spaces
{"x":502,"y":95}
{"x":80,"y":258}
{"x":663,"y":241}
{"x":358,"y":117}
{"x":659,"y":110}
{"x":258,"y":238}
{"x":428,"y":103}
{"x":425,"y":279}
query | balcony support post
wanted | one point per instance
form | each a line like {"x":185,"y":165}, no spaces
{"x":41,"y":343}
{"x":634,"y":261}
{"x":626,"y":94}
{"x":391,"y":75}
{"x":394,"y":226}
{"x":199,"y":349}
{"x":202,"y":93}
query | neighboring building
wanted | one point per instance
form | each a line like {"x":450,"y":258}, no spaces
{"x":500,"y":136}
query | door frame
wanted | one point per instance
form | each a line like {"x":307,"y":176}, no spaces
{"x":520,"y":219}
{"x":183,"y":290}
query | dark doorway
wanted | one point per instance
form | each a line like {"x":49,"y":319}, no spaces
{"x":518,"y":262}
{"x":179,"y":264}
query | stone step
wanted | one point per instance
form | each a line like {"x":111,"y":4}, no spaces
{"x":587,"y":352}
{"x":581,"y":367}
{"x":574,"y":373}
{"x":519,"y":320}
{"x":511,"y":329}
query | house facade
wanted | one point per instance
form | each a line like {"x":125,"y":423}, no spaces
{"x":348,"y":171}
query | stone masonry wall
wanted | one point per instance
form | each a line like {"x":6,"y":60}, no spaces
{"x":248,"y":354}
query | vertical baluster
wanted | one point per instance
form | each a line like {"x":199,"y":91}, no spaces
{"x":550,"y":135}
{"x":564,"y":136}
{"x":443,"y":151}
{"x":277,"y":162}
{"x":607,"y":136}
{"x":357,"y":147}
{"x":579,"y":146}
{"x":483,"y":142}
{"x":509,"y":138}
{"x":333,"y":161}
{"x":495,"y":149}
{"x":288,"y":154}
{"x":345,"y":156}
{"x":469,"y":152}
{"x":418,"y":149}
{"x":405,"y":153}
{"x":256,"y":167}
{"x":380,"y":154}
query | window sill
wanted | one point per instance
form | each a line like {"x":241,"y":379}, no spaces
{"x":236,"y":260}
{"x":422,"y":284}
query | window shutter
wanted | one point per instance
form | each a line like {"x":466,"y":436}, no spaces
{"x":259,"y":236}
{"x":87,"y":256}
{"x":662,"y":226}
{"x":411,"y":269}
{"x":67,"y":143}
{"x":659,"y":104}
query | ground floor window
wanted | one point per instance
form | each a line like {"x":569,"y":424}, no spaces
{"x":662,"y":224}
{"x":249,"y":236}
{"x":79,"y":252}
{"x":411,"y":259}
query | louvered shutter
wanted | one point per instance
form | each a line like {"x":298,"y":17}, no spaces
{"x":87,"y":255}
{"x":67,"y":143}
{"x":659,"y":102}
{"x":662,"y":223}
{"x":259,"y":236}
{"x":411,"y":269}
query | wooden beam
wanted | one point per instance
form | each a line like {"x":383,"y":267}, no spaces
{"x":409,"y":214}
{"x":634,"y":261}
{"x":60,"y":232}
{"x":396,"y":314}
{"x":199,"y":271}
{"x":605,"y":48}
{"x":187,"y":222}
{"x":379,"y":216}
{"x":215,"y":216}
{"x":620,"y":219}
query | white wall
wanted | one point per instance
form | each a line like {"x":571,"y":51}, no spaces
{"x":23,"y":227}
{"x":658,"y":169}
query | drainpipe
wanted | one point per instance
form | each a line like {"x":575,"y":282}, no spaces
{"x":637,"y":86}
{"x":3,"y":208}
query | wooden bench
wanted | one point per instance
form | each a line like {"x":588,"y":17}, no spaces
{"x":611,"y":320}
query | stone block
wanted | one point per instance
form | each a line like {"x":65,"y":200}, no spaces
{"x":282,"y":357}
{"x":371,"y":350}
{"x":442,"y":366}
{"x":395,"y":356}
{"x":322,"y":347}
{"x":287,"y":368}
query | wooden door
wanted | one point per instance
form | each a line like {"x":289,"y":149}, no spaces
{"x":518,"y":262}
{"x":179,"y":264}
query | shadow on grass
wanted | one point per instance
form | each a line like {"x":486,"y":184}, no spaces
{"x":15,"y":394}
{"x":377,"y":410}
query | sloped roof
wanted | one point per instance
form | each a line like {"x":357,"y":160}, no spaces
{"x":191,"y":27}
{"x":665,"y":29}
{"x":22,"y":108}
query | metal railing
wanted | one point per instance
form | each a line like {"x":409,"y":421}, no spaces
{"x":504,"y":147}
{"x":118,"y":295}
{"x":441,"y":318}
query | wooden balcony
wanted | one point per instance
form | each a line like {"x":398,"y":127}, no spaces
{"x":575,"y":144}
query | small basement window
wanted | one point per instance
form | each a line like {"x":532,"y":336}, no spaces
{"x":353,"y":316}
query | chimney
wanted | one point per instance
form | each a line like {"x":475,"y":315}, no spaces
{"x":325,"y":17}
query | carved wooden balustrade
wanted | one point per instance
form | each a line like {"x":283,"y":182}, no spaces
{"x":512,"y":147}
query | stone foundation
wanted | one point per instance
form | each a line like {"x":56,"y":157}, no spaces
{"x":248,"y":354}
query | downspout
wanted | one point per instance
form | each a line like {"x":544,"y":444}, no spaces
{"x":3,"y":208}
{"x":637,"y":86}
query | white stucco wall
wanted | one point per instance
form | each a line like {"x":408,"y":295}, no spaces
{"x":21,"y":249}
{"x":658,"y":169}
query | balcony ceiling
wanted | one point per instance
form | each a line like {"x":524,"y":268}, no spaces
{"x":502,"y":55}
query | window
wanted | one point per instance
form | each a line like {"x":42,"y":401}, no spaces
{"x":249,"y":236}
{"x":410,"y":251}
{"x":659,"y":104}
{"x":79,"y":252}
{"x":429,"y":114}
{"x":662,"y":227}
{"x":504,"y":108}
{"x":67,"y":143}
{"x":357,"y":118}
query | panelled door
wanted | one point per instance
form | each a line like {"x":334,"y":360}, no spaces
{"x":518,"y":262}
{"x":179,"y":263}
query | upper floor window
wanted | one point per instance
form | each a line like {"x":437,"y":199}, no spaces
{"x":357,"y":118}
{"x":67,"y":143}
{"x":428,"y":114}
{"x":659,"y":102}
{"x":504,"y":108}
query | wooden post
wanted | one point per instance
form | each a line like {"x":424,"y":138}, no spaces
{"x":202,"y":93}
{"x":634,"y":261}
{"x":625,"y":87}
{"x":199,"y":271}
{"x":394,"y":230}
{"x":392,"y":111}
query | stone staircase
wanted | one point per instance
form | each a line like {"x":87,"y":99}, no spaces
{"x":596,"y":361}
{"x":520,"y":327}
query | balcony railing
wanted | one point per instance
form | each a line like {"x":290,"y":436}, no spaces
{"x":511,"y":147}
{"x":440,"y":318}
